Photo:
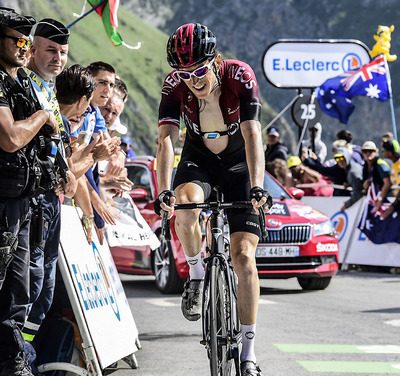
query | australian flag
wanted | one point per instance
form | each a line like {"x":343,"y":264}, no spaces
{"x":372,"y":224}
{"x":335,"y":94}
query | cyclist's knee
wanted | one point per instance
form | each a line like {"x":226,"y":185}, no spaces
{"x":187,"y":219}
{"x":244,"y":263}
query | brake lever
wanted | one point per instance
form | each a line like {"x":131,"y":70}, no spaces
{"x":263,"y":226}
{"x":165,"y":227}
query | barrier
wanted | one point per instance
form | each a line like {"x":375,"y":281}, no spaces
{"x":354,"y":246}
{"x":98,"y":300}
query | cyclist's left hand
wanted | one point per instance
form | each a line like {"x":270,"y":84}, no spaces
{"x":260,"y":197}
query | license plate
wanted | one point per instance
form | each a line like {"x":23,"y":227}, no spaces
{"x":277,"y":251}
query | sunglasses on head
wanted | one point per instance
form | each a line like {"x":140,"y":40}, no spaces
{"x":198,"y":73}
{"x":19,"y":42}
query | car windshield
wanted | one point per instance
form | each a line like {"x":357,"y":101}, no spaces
{"x":274,"y":189}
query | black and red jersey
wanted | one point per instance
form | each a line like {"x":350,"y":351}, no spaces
{"x":239,"y":101}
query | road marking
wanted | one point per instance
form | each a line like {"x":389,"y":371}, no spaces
{"x":164,"y":302}
{"x":380,"y":368}
{"x":339,"y":349}
{"x":393,"y":322}
{"x":265,"y":301}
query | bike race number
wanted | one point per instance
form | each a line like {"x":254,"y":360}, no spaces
{"x":277,"y":251}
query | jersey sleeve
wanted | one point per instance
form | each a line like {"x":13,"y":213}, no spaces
{"x":243,"y":81}
{"x":170,"y":105}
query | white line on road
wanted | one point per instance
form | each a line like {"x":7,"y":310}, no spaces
{"x":393,"y":322}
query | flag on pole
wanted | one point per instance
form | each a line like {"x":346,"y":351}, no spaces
{"x":371,"y":80}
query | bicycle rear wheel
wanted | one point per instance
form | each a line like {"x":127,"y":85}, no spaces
{"x":216,"y":321}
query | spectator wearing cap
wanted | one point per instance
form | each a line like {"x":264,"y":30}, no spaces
{"x":48,"y":56}
{"x":391,"y":150}
{"x":315,"y":143}
{"x":126,"y":146}
{"x":354,"y":175}
{"x":20,"y":121}
{"x":275,"y":148}
{"x":376,"y":172}
{"x":302,"y":174}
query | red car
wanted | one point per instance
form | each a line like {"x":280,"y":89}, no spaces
{"x":301,"y":243}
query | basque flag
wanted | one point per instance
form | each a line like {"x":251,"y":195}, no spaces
{"x":372,"y":224}
{"x":335,"y":94}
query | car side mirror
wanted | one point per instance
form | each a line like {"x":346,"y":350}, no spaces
{"x":296,"y":193}
{"x":138,"y":194}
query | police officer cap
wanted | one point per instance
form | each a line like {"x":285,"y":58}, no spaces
{"x":53,"y":30}
{"x":10,"y":18}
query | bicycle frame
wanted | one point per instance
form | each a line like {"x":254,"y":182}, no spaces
{"x":222,"y":348}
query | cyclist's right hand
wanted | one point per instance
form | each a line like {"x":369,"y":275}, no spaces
{"x":165,"y":201}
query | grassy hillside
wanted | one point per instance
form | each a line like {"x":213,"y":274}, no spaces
{"x":142,"y":70}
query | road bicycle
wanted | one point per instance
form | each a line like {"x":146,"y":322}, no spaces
{"x":220,"y":317}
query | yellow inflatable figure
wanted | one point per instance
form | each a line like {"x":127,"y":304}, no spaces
{"x":382,"y":45}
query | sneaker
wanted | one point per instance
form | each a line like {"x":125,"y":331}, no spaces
{"x":249,"y":368}
{"x":15,"y":367}
{"x":191,"y":299}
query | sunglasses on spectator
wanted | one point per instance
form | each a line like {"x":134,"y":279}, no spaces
{"x":340,"y":159}
{"x":368,"y":151}
{"x":19,"y":42}
{"x":198,"y":73}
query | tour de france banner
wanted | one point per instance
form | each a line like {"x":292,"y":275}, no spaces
{"x":93,"y":284}
{"x":130,"y":229}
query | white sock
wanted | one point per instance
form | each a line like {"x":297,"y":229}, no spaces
{"x":196,"y":269}
{"x":248,"y":340}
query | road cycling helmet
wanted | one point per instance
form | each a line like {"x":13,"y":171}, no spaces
{"x":191,"y":44}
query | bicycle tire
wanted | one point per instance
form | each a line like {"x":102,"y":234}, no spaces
{"x":217,"y":324}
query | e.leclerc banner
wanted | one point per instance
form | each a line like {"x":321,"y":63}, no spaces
{"x":291,"y":64}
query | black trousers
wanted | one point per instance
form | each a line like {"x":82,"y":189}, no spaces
{"x":14,"y":280}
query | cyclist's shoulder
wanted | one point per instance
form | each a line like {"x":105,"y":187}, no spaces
{"x":235,"y":69}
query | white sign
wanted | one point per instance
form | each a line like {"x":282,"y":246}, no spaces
{"x":309,"y":63}
{"x":130,"y":229}
{"x":354,"y":246}
{"x":98,"y":291}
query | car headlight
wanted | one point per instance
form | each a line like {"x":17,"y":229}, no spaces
{"x":324,"y":228}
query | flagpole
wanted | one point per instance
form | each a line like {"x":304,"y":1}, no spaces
{"x":389,"y":82}
{"x":88,"y":12}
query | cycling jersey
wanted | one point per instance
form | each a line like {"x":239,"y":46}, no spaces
{"x":239,"y":101}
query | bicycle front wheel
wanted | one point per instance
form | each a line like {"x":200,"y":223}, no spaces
{"x":216,"y":321}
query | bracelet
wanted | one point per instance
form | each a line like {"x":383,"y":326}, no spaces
{"x":87,"y":221}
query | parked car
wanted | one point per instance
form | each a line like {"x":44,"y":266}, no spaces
{"x":301,"y":242}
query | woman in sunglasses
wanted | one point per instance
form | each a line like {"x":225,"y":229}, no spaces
{"x":219,"y":104}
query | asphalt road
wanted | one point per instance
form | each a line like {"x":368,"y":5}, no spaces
{"x":351,"y":328}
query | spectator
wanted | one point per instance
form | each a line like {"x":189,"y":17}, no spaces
{"x":376,"y":173}
{"x":333,"y":171}
{"x":280,"y":171}
{"x":303,"y":175}
{"x":387,"y":136}
{"x":126,"y":146}
{"x":354,"y":175}
{"x":275,"y":148}
{"x":355,"y":149}
{"x":48,"y":52}
{"x":315,"y":143}
{"x":391,"y":150}
{"x":20,"y":121}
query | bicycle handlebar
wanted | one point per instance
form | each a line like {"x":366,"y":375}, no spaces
{"x":165,"y":224}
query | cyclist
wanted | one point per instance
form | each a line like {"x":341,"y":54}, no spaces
{"x":219,"y":103}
